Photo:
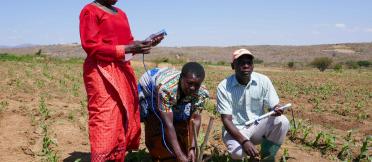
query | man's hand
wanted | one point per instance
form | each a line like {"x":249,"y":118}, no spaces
{"x":249,"y":148}
{"x":277,"y":111}
{"x":191,"y":155}
{"x":138,"y":47}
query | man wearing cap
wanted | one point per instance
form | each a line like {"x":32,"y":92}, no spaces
{"x":242,"y":97}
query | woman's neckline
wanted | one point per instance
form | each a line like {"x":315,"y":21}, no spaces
{"x":104,"y":8}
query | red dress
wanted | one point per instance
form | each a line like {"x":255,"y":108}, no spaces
{"x":114,"y":122}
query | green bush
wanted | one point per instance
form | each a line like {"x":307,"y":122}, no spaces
{"x":338,"y":67}
{"x":38,"y":53}
{"x":257,"y":61}
{"x":322,"y":63}
{"x":290,"y":64}
{"x":364,"y":63}
{"x":222,"y":63}
{"x":352,"y":64}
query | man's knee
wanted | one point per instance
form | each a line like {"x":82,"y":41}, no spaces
{"x":283,"y":122}
{"x":236,"y":154}
{"x":235,"y":150}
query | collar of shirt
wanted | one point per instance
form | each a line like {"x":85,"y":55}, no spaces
{"x":253,"y":81}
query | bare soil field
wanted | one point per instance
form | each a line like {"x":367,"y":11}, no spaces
{"x":43,"y":114}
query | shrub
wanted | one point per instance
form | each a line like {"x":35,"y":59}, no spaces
{"x":352,"y":64}
{"x":364,"y":63}
{"x":38,"y":53}
{"x":338,"y":67}
{"x":257,"y":61}
{"x":322,"y":63}
{"x":222,"y":63}
{"x":290,"y":64}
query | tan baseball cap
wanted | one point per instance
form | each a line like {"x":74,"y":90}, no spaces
{"x":237,"y":53}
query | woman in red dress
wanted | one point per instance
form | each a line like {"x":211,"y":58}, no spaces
{"x":114,"y":122}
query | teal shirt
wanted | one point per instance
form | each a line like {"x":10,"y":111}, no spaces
{"x":245,"y":102}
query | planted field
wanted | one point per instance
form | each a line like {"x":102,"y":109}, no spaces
{"x":43,"y":114}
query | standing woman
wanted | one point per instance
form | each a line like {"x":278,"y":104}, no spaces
{"x":114,"y":122}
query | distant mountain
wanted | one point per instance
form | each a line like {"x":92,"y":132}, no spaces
{"x":18,"y":46}
{"x":267,"y":53}
{"x":2,"y":46}
{"x":24,"y":45}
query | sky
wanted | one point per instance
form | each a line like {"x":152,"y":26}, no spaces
{"x":198,"y":22}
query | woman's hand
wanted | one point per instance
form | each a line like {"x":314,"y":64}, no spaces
{"x":191,"y":155}
{"x":182,"y":158}
{"x":156,"y":40}
{"x":138,"y":47}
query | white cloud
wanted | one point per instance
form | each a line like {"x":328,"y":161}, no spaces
{"x":340,"y":25}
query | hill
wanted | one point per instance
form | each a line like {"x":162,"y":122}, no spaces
{"x":267,"y":53}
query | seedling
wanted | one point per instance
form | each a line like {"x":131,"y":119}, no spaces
{"x":330,"y":141}
{"x":364,"y":149}
{"x":294,"y":129}
{"x":3,"y":105}
{"x":306,"y":130}
{"x":43,"y":109}
{"x":285,"y":155}
{"x":317,"y":138}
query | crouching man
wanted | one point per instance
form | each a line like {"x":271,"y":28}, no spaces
{"x":242,"y":97}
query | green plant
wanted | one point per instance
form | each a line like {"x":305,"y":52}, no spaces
{"x":352,"y":64}
{"x":360,"y":104}
{"x":338,"y":68}
{"x":346,"y":152}
{"x":306,"y":130}
{"x":364,"y":149}
{"x":257,"y":61}
{"x":3,"y":105}
{"x":47,"y":150}
{"x":322,"y":63}
{"x":294,"y":129}
{"x":75,"y":89}
{"x":71,"y":116}
{"x":222,"y":63}
{"x":317,"y":138}
{"x":51,"y":156}
{"x":40,"y":83}
{"x":83,"y":108}
{"x":364,"y":63}
{"x":77,"y":160}
{"x":38,"y":53}
{"x":285,"y":155}
{"x":362,"y":116}
{"x":290,"y":64}
{"x":330,"y":141}
{"x":211,"y":107}
{"x":44,"y":111}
